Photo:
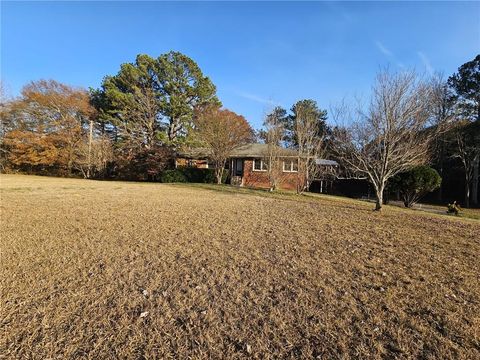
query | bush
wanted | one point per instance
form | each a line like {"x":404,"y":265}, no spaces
{"x":173,"y":176}
{"x":453,"y":208}
{"x":143,"y":164}
{"x":192,"y":175}
{"x":211,"y":179}
{"x":195,"y":175}
{"x":414,"y":184}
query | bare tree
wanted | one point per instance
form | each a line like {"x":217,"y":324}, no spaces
{"x":273,"y":134}
{"x":391,"y":135}
{"x":93,"y":155}
{"x":309,"y":137}
{"x":222,"y":131}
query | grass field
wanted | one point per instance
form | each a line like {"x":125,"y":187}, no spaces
{"x":111,"y":270}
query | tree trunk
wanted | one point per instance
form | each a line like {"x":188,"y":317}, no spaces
{"x":467,"y":193}
{"x":441,"y":173}
{"x":476,"y":164}
{"x":379,"y":195}
{"x":219,"y":173}
{"x":379,"y":203}
{"x":89,"y":161}
{"x":172,"y":133}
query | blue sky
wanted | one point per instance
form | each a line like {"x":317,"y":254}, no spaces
{"x":258,"y":54}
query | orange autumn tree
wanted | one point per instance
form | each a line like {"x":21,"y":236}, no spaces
{"x":46,"y":126}
{"x":222,"y":131}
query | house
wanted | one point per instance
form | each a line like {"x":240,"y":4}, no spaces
{"x":247,"y":165}
{"x":193,"y":157}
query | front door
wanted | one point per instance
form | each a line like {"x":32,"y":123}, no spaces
{"x":238,"y":167}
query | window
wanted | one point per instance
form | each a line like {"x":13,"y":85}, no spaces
{"x":259,"y":165}
{"x":290,"y":166}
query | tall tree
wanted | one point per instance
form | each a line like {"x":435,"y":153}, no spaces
{"x":183,"y":87}
{"x":466,"y":138}
{"x":131,"y":102}
{"x":307,"y":135}
{"x":442,"y":112}
{"x":290,"y":121}
{"x":390,"y":136}
{"x":152,"y":100}
{"x":465,"y":85}
{"x":222,"y":131}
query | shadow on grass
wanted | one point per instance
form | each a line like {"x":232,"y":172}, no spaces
{"x":280,"y":195}
{"x":335,"y":201}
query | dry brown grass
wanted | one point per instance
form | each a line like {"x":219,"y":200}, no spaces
{"x":127,"y":270}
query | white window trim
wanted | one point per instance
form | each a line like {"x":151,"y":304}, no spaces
{"x":261,"y":165}
{"x":291,"y":167}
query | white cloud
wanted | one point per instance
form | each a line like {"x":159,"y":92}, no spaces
{"x":389,"y":54}
{"x":257,"y":98}
{"x":383,"y":49}
{"x":426,"y":62}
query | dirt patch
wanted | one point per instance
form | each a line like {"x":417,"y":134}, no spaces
{"x":95,"y":269}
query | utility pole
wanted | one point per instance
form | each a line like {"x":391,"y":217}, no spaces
{"x":89,"y":158}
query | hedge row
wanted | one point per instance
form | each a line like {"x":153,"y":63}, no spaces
{"x":191,"y":175}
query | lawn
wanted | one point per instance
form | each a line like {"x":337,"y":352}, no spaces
{"x":97,"y":269}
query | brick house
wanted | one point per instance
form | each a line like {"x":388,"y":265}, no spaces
{"x":246,"y":166}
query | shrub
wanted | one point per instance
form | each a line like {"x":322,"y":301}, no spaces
{"x":415,"y":183}
{"x":143,"y":164}
{"x":196,"y":175}
{"x":173,"y":176}
{"x":453,"y":208}
{"x":210,"y":177}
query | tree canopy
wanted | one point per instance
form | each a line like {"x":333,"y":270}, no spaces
{"x":466,"y":86}
{"x":46,"y":125}
{"x":222,"y":131}
{"x":152,"y":100}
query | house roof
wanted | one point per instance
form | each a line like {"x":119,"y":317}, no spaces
{"x":259,"y":150}
{"x":256,"y":150}
{"x":194,"y":153}
{"x":325,"y":162}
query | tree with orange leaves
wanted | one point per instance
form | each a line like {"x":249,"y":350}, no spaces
{"x":46,"y":126}
{"x":222,"y":131}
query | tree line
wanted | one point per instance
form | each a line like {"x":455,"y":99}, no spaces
{"x":126,"y":129}
{"x":130,"y":127}
{"x":408,"y":121}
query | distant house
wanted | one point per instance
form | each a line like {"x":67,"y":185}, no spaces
{"x":247,"y":165}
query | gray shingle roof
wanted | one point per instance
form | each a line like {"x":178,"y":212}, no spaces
{"x":246,"y":151}
{"x":325,"y":162}
{"x":259,"y":150}
{"x":194,"y":153}
{"x":256,"y":150}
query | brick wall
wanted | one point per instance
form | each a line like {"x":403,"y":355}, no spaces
{"x":259,"y":179}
